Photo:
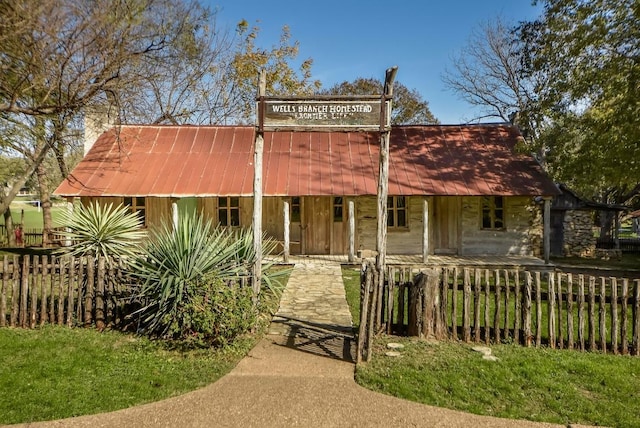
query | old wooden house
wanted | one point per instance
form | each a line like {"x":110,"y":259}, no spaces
{"x":453,"y":189}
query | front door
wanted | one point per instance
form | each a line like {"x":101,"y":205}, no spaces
{"x":316,"y":224}
{"x":446,"y":219}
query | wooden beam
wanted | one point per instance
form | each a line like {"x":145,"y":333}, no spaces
{"x":257,"y":189}
{"x":383,"y":176}
{"x":352,"y":230}
{"x":425,"y":230}
{"x":287,"y":227}
{"x":547,"y":229}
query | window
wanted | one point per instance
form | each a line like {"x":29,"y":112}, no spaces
{"x":337,"y":209}
{"x":137,"y":204}
{"x":396,"y":211}
{"x":229,"y":211}
{"x":295,"y":210}
{"x":493,"y":212}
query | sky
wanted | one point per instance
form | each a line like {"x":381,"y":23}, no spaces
{"x":349,"y":39}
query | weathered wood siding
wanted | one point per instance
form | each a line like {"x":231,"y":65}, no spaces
{"x":399,"y":240}
{"x":513,"y":240}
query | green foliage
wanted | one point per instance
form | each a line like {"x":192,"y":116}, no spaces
{"x":281,"y":78}
{"x":189,"y":283}
{"x":587,"y":53}
{"x":408,"y":106}
{"x":214,"y":314}
{"x":102,"y":230}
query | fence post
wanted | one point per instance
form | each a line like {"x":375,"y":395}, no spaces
{"x":3,"y":290}
{"x":527,"y":309}
{"x":466,"y":306}
{"x":100,"y":312}
{"x":24,"y":290}
{"x":625,"y":318}
{"x":636,"y":318}
{"x":570,"y":311}
{"x":551,"y":300}
{"x":476,"y":304}
{"x":614,"y":315}
{"x":602,"y":313}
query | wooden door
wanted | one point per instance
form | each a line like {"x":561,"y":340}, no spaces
{"x":316,"y":224}
{"x":339,"y":223}
{"x":446,"y":224}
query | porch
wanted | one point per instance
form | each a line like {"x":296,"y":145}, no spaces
{"x":433,"y":260}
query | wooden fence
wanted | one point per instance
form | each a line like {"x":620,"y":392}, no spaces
{"x":554,"y":309}
{"x":36,"y":290}
{"x":627,"y":245}
{"x":32,"y":237}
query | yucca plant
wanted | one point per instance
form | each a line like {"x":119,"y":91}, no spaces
{"x":102,"y":231}
{"x":183,"y":276}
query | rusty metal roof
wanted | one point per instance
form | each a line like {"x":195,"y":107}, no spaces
{"x":180,"y":161}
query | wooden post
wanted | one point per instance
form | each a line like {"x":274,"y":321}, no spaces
{"x":466,"y":306}
{"x":591,"y":307}
{"x":517,"y":313}
{"x":487,"y":306}
{"x":24,"y":291}
{"x":496,"y":309}
{"x":287,"y":230}
{"x":100,"y":294}
{"x":538,"y":310}
{"x":45,"y":282}
{"x":257,"y":187}
{"x":70,"y":200}
{"x":614,"y":315}
{"x":527,"y":309}
{"x":383,"y":174}
{"x":635,"y":341}
{"x":476,"y":304}
{"x":602,"y":315}
{"x":425,"y":230}
{"x":560,"y":306}
{"x":551,"y":309}
{"x":581,"y":311}
{"x":570,"y":311}
{"x":352,"y":230}
{"x":3,"y":290}
{"x":547,"y":229}
{"x":624,"y":317}
{"x":174,"y":214}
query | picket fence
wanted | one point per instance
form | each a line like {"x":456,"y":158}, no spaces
{"x":481,"y":305}
{"x":35,"y":290}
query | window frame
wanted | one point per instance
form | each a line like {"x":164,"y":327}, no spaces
{"x":338,"y":207}
{"x":133,"y":205}
{"x":392,"y":208}
{"x":488,"y":205}
{"x":229,"y":209}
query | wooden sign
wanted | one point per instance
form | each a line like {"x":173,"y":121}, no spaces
{"x":320,"y":114}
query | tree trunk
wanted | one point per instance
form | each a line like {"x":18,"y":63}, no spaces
{"x":8,"y":224}
{"x":45,"y":203}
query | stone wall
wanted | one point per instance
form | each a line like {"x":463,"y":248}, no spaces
{"x":579,"y":240}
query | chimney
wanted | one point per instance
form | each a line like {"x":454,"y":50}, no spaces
{"x":97,"y":120}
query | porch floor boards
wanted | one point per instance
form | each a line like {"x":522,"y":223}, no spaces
{"x":433,"y":260}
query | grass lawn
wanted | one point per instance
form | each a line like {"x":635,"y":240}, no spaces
{"x":58,"y":372}
{"x":32,"y":216}
{"x":629,"y":261}
{"x":537,"y":384}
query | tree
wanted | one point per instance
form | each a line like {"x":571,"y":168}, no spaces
{"x":487,"y":74}
{"x":408,"y":106}
{"x":60,"y":58}
{"x":588,"y":52}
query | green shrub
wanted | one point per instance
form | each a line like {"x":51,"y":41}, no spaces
{"x":102,"y":230}
{"x":189,"y":283}
{"x":215,"y":314}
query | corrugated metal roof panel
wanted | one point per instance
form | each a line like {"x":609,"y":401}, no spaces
{"x":218,"y":160}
